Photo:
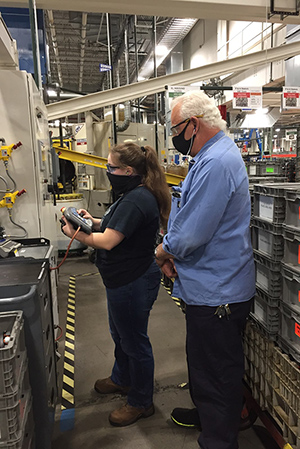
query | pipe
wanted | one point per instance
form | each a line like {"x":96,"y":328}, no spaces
{"x":272,"y":44}
{"x":127,"y":111}
{"x":55,"y":45}
{"x":100,"y":28}
{"x":111,"y":78}
{"x":89,"y":132}
{"x":138,"y":114}
{"x":82,"y":48}
{"x":155,"y":76}
{"x":127,"y":118}
{"x":149,"y":87}
{"x":35,"y":45}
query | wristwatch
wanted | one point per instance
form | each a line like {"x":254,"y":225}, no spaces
{"x":155,"y":253}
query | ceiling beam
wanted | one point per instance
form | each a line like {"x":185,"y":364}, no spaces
{"x":256,"y":10}
{"x":136,"y":90}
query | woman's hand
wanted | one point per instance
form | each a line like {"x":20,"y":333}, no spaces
{"x":85,"y":214}
{"x":96,"y":221}
{"x":67,"y":229}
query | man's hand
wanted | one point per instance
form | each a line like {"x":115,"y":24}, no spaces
{"x":169,"y":269}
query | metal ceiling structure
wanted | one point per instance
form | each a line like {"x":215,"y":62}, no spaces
{"x":113,"y":96}
{"x":78,"y":40}
{"x":78,"y":43}
{"x":256,"y":11}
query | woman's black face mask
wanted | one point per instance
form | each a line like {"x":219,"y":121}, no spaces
{"x":181,"y":144}
{"x":122,"y":184}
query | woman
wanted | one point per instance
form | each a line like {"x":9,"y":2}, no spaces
{"x":125,"y":239}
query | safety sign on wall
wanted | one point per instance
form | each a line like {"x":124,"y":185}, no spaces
{"x":291,"y":134}
{"x":247,"y":98}
{"x":290,"y":97}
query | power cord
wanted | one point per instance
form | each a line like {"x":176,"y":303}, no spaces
{"x":68,"y":249}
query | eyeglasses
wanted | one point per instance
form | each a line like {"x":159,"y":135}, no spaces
{"x":111,"y":168}
{"x":173,"y":129}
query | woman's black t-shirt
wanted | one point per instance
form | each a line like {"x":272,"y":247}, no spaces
{"x":136,"y":215}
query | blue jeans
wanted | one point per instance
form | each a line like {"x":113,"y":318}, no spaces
{"x":128,"y":311}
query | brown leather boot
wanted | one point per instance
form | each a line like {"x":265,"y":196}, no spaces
{"x":107,"y":386}
{"x":128,"y":414}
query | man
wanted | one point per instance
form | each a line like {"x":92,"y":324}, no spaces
{"x":208,"y":251}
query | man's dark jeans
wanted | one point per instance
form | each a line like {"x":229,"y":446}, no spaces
{"x":216,"y":366}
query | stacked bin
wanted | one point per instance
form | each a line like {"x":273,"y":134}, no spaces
{"x":16,"y":417}
{"x":268,"y":248}
{"x":289,"y":335}
{"x":265,"y":168}
{"x":273,"y":377}
{"x":275,"y":382}
{"x":25,"y":285}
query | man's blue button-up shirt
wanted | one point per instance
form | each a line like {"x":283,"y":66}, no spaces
{"x":208,"y":230}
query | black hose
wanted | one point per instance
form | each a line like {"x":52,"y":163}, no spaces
{"x":18,"y":226}
{"x":14,"y":183}
{"x":5,"y":182}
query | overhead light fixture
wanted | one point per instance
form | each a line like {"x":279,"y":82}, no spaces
{"x":161,"y":50}
{"x":275,"y":135}
{"x":286,"y":8}
{"x":277,"y":130}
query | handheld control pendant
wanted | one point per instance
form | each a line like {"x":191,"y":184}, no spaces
{"x":77,"y":220}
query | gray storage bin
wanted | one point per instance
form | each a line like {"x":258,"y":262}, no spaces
{"x":291,"y":248}
{"x":266,"y":179}
{"x":25,"y":285}
{"x":268,"y":276}
{"x":290,"y":287}
{"x":270,"y":168}
{"x":266,"y":311}
{"x":292,"y":213}
{"x":267,"y":238}
{"x":25,"y":436}
{"x":290,"y":331}
{"x":13,"y":354}
{"x":12,"y":418}
{"x":269,"y":202}
{"x":264,"y":168}
{"x":253,"y":168}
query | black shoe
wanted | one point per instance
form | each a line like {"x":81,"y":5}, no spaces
{"x":186,"y":417}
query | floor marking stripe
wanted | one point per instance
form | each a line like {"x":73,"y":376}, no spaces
{"x":69,"y":367}
{"x":70,"y":345}
{"x":70,"y":356}
{"x":70,"y":336}
{"x":67,"y":380}
{"x":67,"y":418}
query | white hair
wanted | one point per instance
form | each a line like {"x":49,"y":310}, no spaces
{"x":196,"y":102}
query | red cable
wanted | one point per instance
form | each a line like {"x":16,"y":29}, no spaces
{"x":67,"y":252}
{"x":61,"y":332}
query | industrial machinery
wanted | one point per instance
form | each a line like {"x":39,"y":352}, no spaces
{"x":26,"y":166}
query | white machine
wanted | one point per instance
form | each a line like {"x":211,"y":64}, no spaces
{"x":23,"y":118}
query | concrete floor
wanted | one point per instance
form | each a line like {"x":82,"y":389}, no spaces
{"x":94,"y":359}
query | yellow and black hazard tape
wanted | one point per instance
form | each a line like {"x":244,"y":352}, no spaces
{"x":68,"y":398}
{"x":67,"y":418}
{"x":169,"y":290}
